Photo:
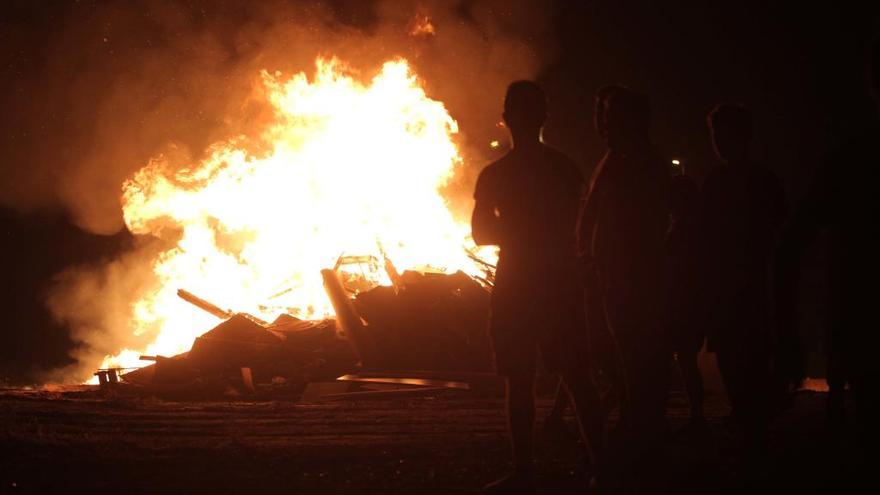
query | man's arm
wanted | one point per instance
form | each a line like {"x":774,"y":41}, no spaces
{"x":485,"y":224}
{"x":587,"y":213}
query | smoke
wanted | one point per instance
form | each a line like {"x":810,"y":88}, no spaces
{"x":95,"y":301}
{"x":97,"y":90}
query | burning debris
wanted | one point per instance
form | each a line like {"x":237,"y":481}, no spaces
{"x":424,"y":321}
{"x":345,"y":167}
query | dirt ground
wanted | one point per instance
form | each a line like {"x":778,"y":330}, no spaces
{"x":75,"y":441}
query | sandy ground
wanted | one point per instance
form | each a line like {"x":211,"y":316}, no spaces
{"x":69,"y":441}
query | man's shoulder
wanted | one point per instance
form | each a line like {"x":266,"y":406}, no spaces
{"x":490,"y":181}
{"x":495,"y":168}
{"x":551,"y":158}
{"x":556,"y":155}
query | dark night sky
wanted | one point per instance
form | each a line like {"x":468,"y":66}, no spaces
{"x":800,"y":68}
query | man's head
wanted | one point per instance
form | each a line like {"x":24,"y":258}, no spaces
{"x":525,"y":108}
{"x":732,"y":127}
{"x":627,"y":118}
{"x":602,"y":96}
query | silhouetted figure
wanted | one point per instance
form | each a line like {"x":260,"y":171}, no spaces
{"x":685,"y":329}
{"x":622,"y":232}
{"x":742,"y":216}
{"x":527,"y":203}
{"x":604,"y":354}
{"x":842,"y":201}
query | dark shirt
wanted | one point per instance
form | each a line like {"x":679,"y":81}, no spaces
{"x":682,"y":241}
{"x":685,"y":199}
{"x":741,"y":219}
{"x":842,"y":202}
{"x":742,"y":215}
{"x":535,"y":192}
{"x":625,"y":217}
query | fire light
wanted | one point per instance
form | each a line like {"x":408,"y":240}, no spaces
{"x":353,"y":168}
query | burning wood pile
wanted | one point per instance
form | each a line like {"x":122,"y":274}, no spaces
{"x":349,"y":163}
{"x":423,"y":322}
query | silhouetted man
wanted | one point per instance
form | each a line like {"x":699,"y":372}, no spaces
{"x":604,"y":355}
{"x":622,"y":233}
{"x":842,"y":200}
{"x":527,"y":203}
{"x":741,"y":220}
{"x":685,"y":329}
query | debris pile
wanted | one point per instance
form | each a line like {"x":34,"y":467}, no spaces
{"x":422,"y":323}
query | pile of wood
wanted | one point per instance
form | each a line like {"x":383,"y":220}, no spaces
{"x":425,"y":321}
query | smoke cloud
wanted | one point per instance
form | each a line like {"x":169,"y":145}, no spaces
{"x":97,"y":90}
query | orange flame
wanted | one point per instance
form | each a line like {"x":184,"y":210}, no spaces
{"x":352,"y":168}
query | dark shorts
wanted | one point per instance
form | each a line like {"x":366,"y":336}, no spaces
{"x":540,"y":319}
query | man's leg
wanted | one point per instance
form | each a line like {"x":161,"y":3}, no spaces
{"x":616,"y":334}
{"x":516,"y":351}
{"x":588,"y":408}
{"x":747,"y":390}
{"x":693,"y":382}
{"x":647,"y":370}
{"x":836,"y":400}
{"x":866,"y":395}
{"x":637,"y":367}
{"x":730,"y":371}
{"x":836,"y":411}
{"x":759,"y":383}
{"x":554,"y":422}
{"x":617,"y":379}
{"x":521,"y":419}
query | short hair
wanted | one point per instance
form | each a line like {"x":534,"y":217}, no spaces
{"x":527,"y":98}
{"x":733,"y":120}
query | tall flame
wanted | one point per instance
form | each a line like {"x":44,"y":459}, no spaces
{"x":352,"y":168}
